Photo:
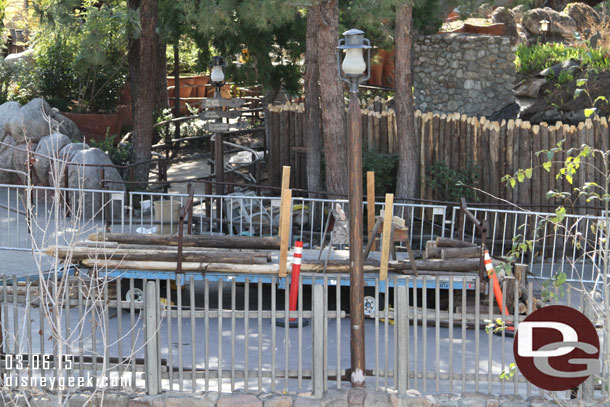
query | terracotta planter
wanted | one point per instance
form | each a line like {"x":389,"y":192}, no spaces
{"x":377,"y":68}
{"x":125,"y":95}
{"x":388,"y":70}
{"x":124,"y":111}
{"x":96,"y":125}
{"x":494,"y":29}
{"x":200,"y":83}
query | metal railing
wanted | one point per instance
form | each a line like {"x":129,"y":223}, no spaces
{"x":220,"y":332}
{"x":572,"y":245}
{"x":31,"y":217}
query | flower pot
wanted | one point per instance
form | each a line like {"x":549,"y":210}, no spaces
{"x":96,"y":125}
{"x":377,"y":68}
{"x":388,"y":70}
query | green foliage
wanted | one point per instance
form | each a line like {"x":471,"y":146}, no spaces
{"x":451,"y":184}
{"x":265,"y":38}
{"x":565,"y":77}
{"x":537,"y":57}
{"x":81,"y":52}
{"x":385,"y":167}
{"x":189,"y":57}
{"x":119,"y":153}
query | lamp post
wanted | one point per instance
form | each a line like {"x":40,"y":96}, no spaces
{"x":352,"y":71}
{"x":217,"y":78}
{"x":544,"y":28}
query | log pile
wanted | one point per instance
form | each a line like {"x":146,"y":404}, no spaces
{"x":445,"y":249}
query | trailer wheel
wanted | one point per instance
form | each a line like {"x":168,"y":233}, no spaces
{"x":136,"y":295}
{"x":371,"y":306}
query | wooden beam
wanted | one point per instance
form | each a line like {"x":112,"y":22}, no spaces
{"x":370,"y":196}
{"x":285,"y":185}
{"x":285,"y":229}
{"x":387,"y":236}
{"x":228,"y":242}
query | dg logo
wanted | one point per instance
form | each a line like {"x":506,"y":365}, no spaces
{"x":556,"y":348}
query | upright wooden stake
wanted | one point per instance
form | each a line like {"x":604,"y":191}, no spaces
{"x":285,"y":229}
{"x":387,"y":236}
{"x":370,"y":196}
{"x":285,"y":185}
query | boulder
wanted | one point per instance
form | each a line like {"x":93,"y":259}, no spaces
{"x":49,"y":146}
{"x":7,"y":111}
{"x":561,"y":23}
{"x":571,"y":65}
{"x":27,"y":57}
{"x":66,"y":126}
{"x":67,"y":153}
{"x":518,"y":12}
{"x":90,"y":177}
{"x":6,"y":158}
{"x":586,"y":17}
{"x":529,"y":88}
{"x":503,"y":15}
{"x":35,"y":120}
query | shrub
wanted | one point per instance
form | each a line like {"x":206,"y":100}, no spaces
{"x":537,"y":57}
{"x":385,"y":167}
{"x":450,"y":185}
{"x":119,"y":154}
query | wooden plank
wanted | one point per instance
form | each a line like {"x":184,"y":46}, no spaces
{"x":463,"y":142}
{"x":516,"y":162}
{"x":212,"y":103}
{"x":542,"y":157}
{"x":430,"y":150}
{"x":446,"y":242}
{"x":370,"y":214}
{"x":218,"y":114}
{"x":536,"y":173}
{"x":494,"y":158}
{"x":590,"y":171}
{"x":383,"y":133}
{"x":369,"y":131}
{"x":444,"y":146}
{"x":275,"y":163}
{"x":235,"y":242}
{"x":387,"y":236}
{"x":421,"y":127}
{"x":285,"y":186}
{"x":525,"y":161}
{"x":285,"y":230}
{"x":552,"y":174}
{"x":502,"y":164}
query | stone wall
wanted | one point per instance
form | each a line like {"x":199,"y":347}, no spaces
{"x":466,"y":73}
{"x":346,"y":397}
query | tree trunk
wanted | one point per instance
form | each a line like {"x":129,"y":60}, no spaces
{"x":407,"y":183}
{"x":161,"y":94}
{"x":331,"y":100}
{"x":312,"y":101}
{"x":142,"y":52}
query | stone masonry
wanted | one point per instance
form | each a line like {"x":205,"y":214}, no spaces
{"x":333,"y":398}
{"x":465,"y":73}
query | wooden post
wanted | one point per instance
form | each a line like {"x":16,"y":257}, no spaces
{"x":285,"y":186}
{"x":285,"y":229}
{"x":354,"y":166}
{"x":387,"y":236}
{"x":370,"y":196}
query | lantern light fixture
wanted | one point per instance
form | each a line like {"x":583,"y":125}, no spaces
{"x":352,"y":69}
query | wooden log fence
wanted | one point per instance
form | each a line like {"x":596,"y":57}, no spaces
{"x":460,"y":142}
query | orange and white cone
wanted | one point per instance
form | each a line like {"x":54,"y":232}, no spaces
{"x":491,"y":273}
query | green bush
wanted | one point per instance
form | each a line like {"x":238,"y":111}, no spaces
{"x":450,"y":185}
{"x":537,"y":57}
{"x":81,"y":54}
{"x":119,"y":154}
{"x":385,"y":167}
